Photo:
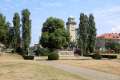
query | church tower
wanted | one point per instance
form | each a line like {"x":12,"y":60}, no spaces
{"x":71,"y":27}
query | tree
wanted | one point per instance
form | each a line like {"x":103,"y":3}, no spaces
{"x":16,"y":24}
{"x":83,"y":33}
{"x":54,"y":35}
{"x":11,"y":36}
{"x":92,"y":34}
{"x":3,"y":29}
{"x":44,"y":39}
{"x":26,"y":29}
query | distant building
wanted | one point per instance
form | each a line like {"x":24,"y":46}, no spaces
{"x":110,"y":36}
{"x":71,"y":27}
{"x":77,"y":33}
{"x":103,"y":39}
{"x":115,"y":37}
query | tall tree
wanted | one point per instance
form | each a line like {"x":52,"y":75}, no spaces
{"x":16,"y":24}
{"x":54,"y":35}
{"x":92,"y":34}
{"x":3,"y":29}
{"x":26,"y":29}
{"x":83,"y":33}
{"x":11,"y":36}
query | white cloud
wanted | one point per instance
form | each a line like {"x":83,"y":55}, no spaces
{"x":108,"y":19}
{"x":116,"y":29}
{"x":109,"y":12}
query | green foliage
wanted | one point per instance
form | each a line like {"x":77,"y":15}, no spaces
{"x":92,"y":34}
{"x":87,"y":34}
{"x":8,"y":33}
{"x":26,"y":29}
{"x":44,"y":40}
{"x":51,"y":24}
{"x":11,"y":36}
{"x":83,"y":33}
{"x":19,"y":50}
{"x":28,"y":57}
{"x":112,"y":56}
{"x":3,"y":29}
{"x":16,"y":24}
{"x":42,"y":52}
{"x":53,"y":56}
{"x":54,"y":35}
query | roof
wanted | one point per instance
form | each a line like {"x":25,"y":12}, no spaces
{"x":110,"y":36}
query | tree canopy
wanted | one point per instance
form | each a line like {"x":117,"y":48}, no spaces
{"x":16,"y":25}
{"x":87,"y":34}
{"x":83,"y":33}
{"x":3,"y":29}
{"x":54,"y":35}
{"x":92,"y":34}
{"x":26,"y":29}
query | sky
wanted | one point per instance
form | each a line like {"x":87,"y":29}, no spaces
{"x":106,"y":12}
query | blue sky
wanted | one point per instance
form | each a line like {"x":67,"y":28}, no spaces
{"x":106,"y":12}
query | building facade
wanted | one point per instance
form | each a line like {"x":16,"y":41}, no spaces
{"x":106,"y":39}
{"x":114,"y":37}
{"x":71,"y":27}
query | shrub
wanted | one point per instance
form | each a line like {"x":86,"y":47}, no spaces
{"x":19,"y":50}
{"x":42,"y":52}
{"x":28,"y":57}
{"x":110,"y":56}
{"x":53,"y":56}
{"x":13,"y":51}
{"x":96,"y":56}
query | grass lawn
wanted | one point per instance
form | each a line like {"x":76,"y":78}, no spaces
{"x":109,"y":66}
{"x":31,"y":70}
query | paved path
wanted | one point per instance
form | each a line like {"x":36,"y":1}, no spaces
{"x":84,"y":72}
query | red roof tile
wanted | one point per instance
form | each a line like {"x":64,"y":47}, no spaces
{"x":110,"y":36}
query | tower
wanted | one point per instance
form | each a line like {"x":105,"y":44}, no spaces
{"x":71,"y":27}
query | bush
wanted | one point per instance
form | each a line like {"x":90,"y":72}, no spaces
{"x":110,"y":56}
{"x":53,"y":56}
{"x":28,"y":57}
{"x":96,"y":56}
{"x":13,"y":51}
{"x":19,"y":50}
{"x":42,"y":52}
